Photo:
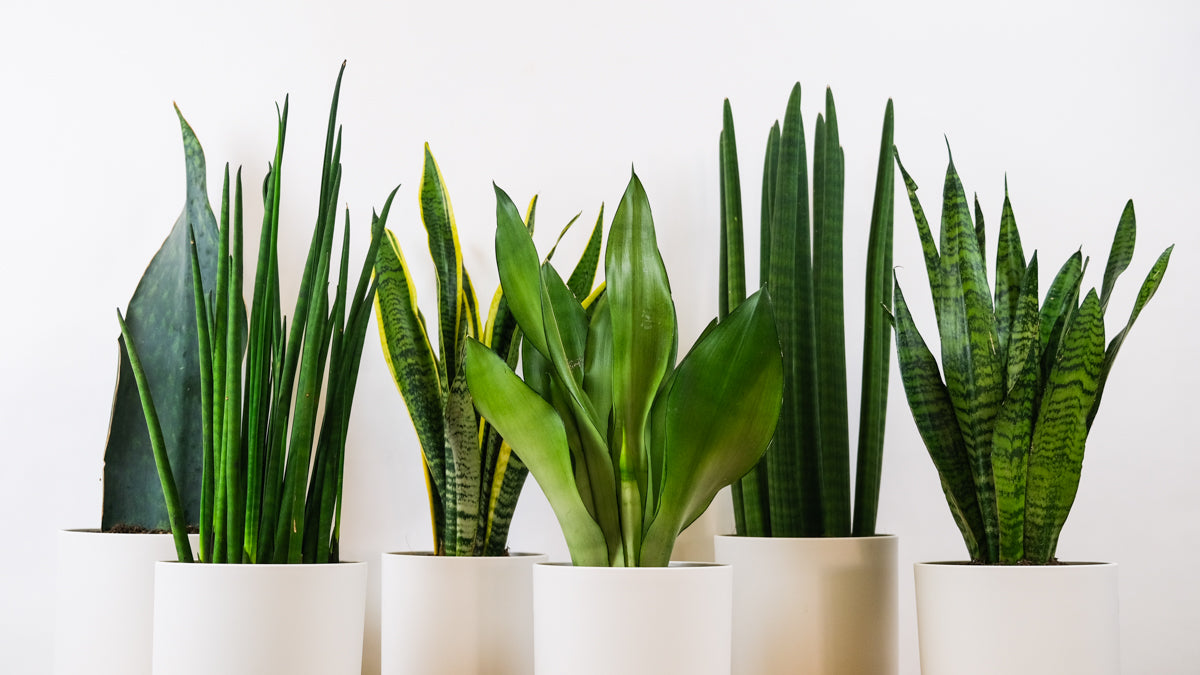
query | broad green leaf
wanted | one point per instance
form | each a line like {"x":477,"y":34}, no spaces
{"x":643,"y":328}
{"x":520,"y":270}
{"x":937,"y":423}
{"x":1121,"y":253}
{"x":877,"y":348}
{"x":535,"y":432}
{"x":1010,"y":270}
{"x":437,"y":215}
{"x":161,"y":318}
{"x":722,"y":408}
{"x":1056,"y":454}
{"x":1147,"y":291}
{"x":598,"y":359}
{"x":970,"y":360}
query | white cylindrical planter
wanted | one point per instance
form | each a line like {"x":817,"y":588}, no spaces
{"x":105,"y":601}
{"x":632,"y":620}
{"x":254,"y":619}
{"x":1028,"y":619}
{"x":813,"y":606}
{"x":445,"y":615}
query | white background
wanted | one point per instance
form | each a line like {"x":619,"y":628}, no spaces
{"x":1083,"y":105}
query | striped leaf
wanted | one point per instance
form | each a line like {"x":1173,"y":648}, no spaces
{"x":1010,"y":270}
{"x":1014,"y":424}
{"x":437,"y":215}
{"x":928,"y":244}
{"x":981,"y":237}
{"x":1056,"y":454}
{"x":970,"y":359}
{"x":877,"y":348}
{"x":795,"y":455}
{"x":934,"y":415}
{"x":412,"y":362}
{"x":462,"y":441}
{"x":1147,"y":291}
{"x":1121,"y":253}
{"x":829,"y":324}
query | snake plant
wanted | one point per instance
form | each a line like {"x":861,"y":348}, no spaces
{"x":802,"y":486}
{"x":628,"y":446}
{"x":1006,"y":428}
{"x":272,"y":482}
{"x":162,"y":322}
{"x":472,"y":475}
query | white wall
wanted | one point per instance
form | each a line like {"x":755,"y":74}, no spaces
{"x":1082,"y":107}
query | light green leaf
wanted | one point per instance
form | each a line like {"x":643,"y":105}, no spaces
{"x":536,"y":434}
{"x":722,"y":408}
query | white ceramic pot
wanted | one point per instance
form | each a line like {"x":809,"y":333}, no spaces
{"x":1004,"y":619}
{"x":813,"y":606}
{"x":105,"y":601}
{"x":632,"y":620}
{"x":444,"y":615}
{"x":255,"y":619}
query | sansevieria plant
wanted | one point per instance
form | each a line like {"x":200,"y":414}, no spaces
{"x":628,"y":445}
{"x":1007,"y":417}
{"x":272,"y":481}
{"x":473,"y":477}
{"x":802,"y":486}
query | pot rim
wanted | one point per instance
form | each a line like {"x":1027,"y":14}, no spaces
{"x":873,"y":537}
{"x":967,"y":564}
{"x":430,"y":554}
{"x":265,"y":566}
{"x":679,"y":565}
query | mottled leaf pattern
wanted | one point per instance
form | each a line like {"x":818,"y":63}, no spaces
{"x":1044,"y":367}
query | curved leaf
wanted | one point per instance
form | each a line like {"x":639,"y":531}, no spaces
{"x":536,"y":434}
{"x":438,"y":217}
{"x":161,"y":319}
{"x":1056,"y":454}
{"x":721,"y":410}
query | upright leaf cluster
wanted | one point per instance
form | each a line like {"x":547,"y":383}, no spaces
{"x":802,"y":486}
{"x":272,"y":480}
{"x":1007,"y":425}
{"x":628,"y":446}
{"x":474,"y":479}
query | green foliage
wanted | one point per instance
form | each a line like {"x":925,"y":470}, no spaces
{"x":473,"y":476}
{"x":272,"y":481}
{"x":1006,"y":428}
{"x":628,"y":446}
{"x":160,"y":319}
{"x":802,"y":487}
